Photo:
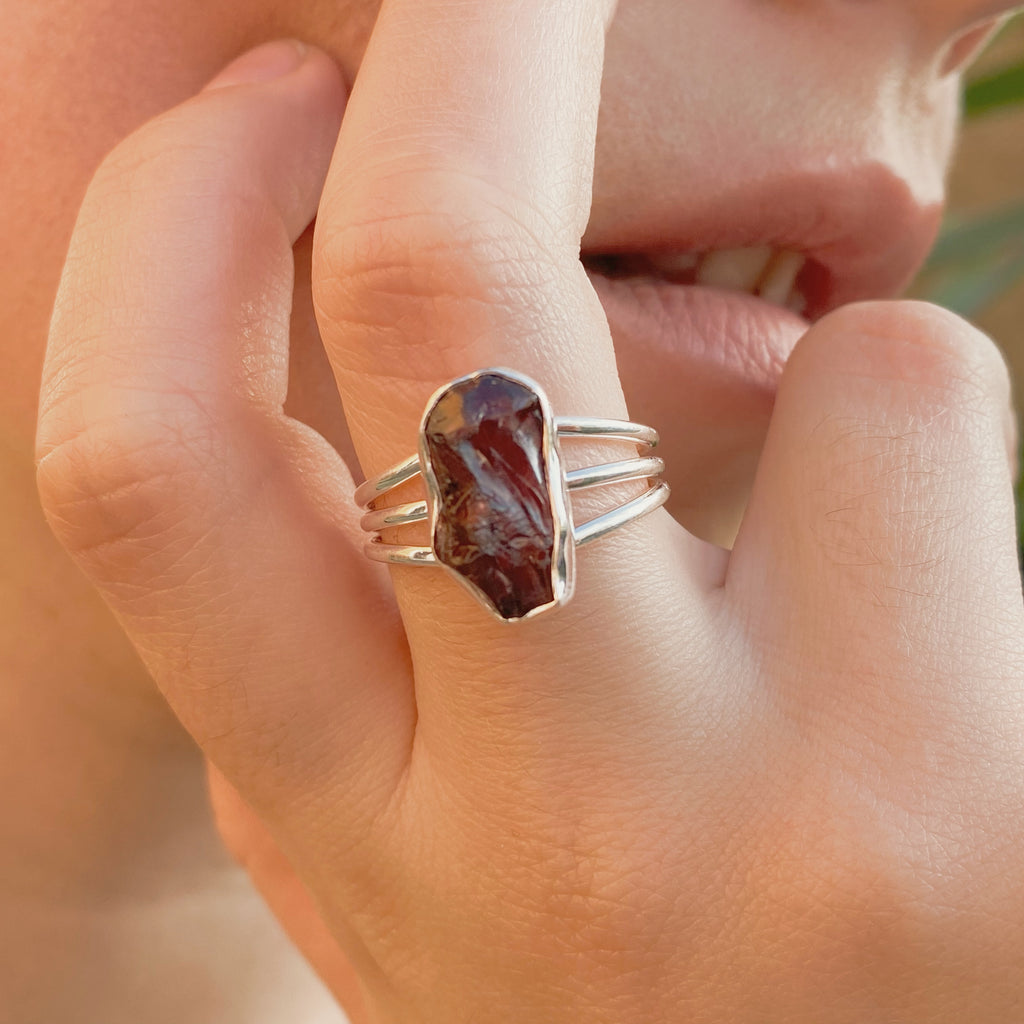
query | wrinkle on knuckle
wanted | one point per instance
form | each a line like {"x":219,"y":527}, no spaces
{"x":119,"y":492}
{"x":419,"y":256}
{"x":429,"y":273}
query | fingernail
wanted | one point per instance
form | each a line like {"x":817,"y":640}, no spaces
{"x":266,"y":62}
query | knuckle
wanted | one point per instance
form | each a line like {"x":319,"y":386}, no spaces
{"x":429,"y":269}
{"x":925,"y":346}
{"x":122,"y":488}
{"x":902,"y":453}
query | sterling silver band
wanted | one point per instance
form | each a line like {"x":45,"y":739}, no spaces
{"x":577,"y":480}
{"x":593,"y":529}
{"x":566,"y":426}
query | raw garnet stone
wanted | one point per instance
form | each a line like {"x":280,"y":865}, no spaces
{"x":485,"y":441}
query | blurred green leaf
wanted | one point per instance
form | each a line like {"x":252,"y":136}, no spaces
{"x":969,"y":239}
{"x":1002,"y":88}
{"x":976,"y":261}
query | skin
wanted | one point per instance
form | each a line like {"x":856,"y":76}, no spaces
{"x":828,"y":717}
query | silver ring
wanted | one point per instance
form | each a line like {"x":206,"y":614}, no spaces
{"x":497,"y":495}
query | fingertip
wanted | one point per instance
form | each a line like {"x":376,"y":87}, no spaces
{"x":266,"y":127}
{"x":263,"y":63}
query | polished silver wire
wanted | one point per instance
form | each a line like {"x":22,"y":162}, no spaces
{"x":577,"y":480}
{"x":567,"y":426}
{"x":585,"y":533}
{"x":595,"y":529}
{"x":614,"y":472}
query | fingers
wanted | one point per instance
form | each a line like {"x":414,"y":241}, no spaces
{"x":449,"y":234}
{"x":217,"y":528}
{"x":448,"y":241}
{"x":881,"y":531}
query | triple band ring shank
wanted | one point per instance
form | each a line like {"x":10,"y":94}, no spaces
{"x":497,"y":495}
{"x":369,"y":491}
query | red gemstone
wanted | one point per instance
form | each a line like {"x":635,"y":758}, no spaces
{"x":485,"y":440}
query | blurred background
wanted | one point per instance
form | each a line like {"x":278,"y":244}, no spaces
{"x":977,"y":268}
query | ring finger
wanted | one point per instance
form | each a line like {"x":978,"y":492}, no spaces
{"x":448,"y":240}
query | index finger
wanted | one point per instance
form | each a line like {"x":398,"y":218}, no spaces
{"x":448,"y":236}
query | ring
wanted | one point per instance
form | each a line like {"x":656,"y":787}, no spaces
{"x":497,"y":495}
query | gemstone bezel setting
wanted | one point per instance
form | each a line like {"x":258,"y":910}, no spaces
{"x":562,"y":544}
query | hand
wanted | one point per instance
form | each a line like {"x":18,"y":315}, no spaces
{"x":779,"y":785}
